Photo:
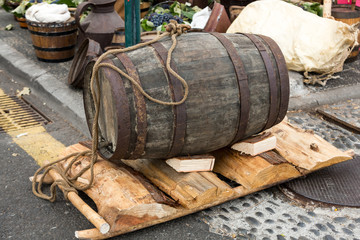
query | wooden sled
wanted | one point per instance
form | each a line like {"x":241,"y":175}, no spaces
{"x":131,"y":196}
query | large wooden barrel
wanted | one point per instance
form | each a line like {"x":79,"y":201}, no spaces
{"x":54,"y":42}
{"x":238,"y":86}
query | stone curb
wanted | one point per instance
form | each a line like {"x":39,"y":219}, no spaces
{"x":47,"y":84}
{"x":330,"y":96}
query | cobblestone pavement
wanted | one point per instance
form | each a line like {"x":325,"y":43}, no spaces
{"x":269,"y":214}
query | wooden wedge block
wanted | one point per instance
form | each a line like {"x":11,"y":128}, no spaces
{"x":305,"y":149}
{"x":189,"y":189}
{"x":253,"y":172}
{"x":256,"y":145}
{"x":198,"y":163}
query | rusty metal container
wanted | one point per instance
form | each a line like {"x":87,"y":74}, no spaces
{"x":238,"y":86}
{"x":100,"y":24}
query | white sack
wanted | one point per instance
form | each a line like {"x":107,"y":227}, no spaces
{"x":48,"y":13}
{"x":309,"y":43}
{"x":200,"y":18}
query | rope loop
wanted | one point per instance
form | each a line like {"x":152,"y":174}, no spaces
{"x":175,"y":28}
{"x":66,"y":183}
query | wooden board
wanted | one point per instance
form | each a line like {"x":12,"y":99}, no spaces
{"x":198,"y":163}
{"x":294,"y":144}
{"x":189,"y":189}
{"x":125,"y":199}
{"x":256,"y":145}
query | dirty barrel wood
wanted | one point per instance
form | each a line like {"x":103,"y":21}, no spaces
{"x":238,"y":86}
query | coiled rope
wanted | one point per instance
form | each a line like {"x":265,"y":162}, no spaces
{"x":67,"y":184}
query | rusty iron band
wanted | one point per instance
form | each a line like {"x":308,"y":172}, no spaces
{"x":140,"y":105}
{"x":242,"y":84}
{"x":179,"y":129}
{"x":122,"y":112}
{"x":283,"y":75}
{"x":273,"y":110}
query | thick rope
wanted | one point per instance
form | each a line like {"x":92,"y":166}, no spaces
{"x":67,"y":183}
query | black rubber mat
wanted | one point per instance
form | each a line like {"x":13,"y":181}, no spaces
{"x":338,"y":184}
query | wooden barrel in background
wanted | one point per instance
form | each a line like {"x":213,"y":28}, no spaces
{"x":54,"y":42}
{"x":345,"y":14}
{"x":22,"y":22}
{"x":238,"y":86}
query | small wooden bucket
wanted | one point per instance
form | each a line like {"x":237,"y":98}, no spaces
{"x":22,"y":22}
{"x":54,"y":42}
{"x":345,"y":14}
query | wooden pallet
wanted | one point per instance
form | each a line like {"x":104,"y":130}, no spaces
{"x":128,"y":197}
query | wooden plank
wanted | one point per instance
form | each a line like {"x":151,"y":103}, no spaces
{"x":251,"y":172}
{"x":305,"y":149}
{"x":189,"y":189}
{"x":122,"y":196}
{"x":198,"y":191}
{"x":256,"y":145}
{"x":340,"y":121}
{"x":198,"y":163}
{"x":95,"y":234}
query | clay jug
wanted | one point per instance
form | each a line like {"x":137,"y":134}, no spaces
{"x":100,"y":23}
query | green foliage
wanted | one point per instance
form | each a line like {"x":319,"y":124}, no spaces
{"x":21,"y":9}
{"x":314,"y":8}
{"x":147,"y":25}
{"x":70,"y":3}
{"x":9,"y":5}
{"x":182,"y":11}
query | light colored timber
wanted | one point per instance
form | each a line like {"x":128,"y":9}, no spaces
{"x":122,"y":196}
{"x":185,"y":185}
{"x":189,"y":189}
{"x":47,"y":179}
{"x":252,"y":172}
{"x":180,"y":212}
{"x":101,"y":225}
{"x":304,"y":149}
{"x":198,"y":163}
{"x":256,"y":145}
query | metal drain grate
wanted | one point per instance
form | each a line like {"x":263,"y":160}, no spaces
{"x":16,"y":114}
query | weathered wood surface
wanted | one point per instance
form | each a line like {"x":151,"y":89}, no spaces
{"x":189,"y":189}
{"x":210,"y":117}
{"x":252,"y":172}
{"x":98,"y":221}
{"x":304,"y":149}
{"x":128,"y":204}
{"x":122,"y":196}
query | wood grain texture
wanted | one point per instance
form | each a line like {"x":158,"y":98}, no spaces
{"x":198,"y":191}
{"x":191,"y":190}
{"x":53,"y":42}
{"x":251,"y":172}
{"x":294,"y":145}
{"x":121,"y":196}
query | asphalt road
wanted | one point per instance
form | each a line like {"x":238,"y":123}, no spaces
{"x":24,"y":216}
